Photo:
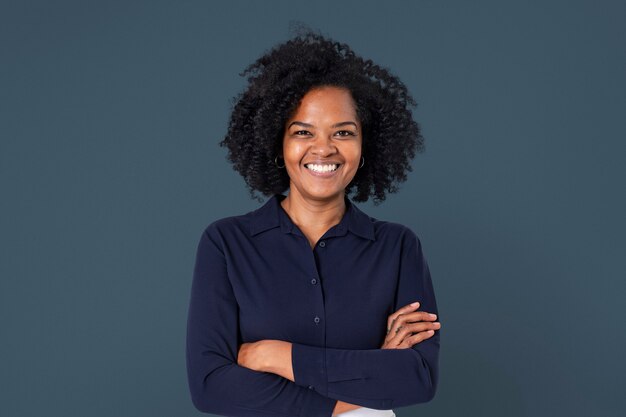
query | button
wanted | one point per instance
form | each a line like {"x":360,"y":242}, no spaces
{"x":316,"y":319}
{"x":310,"y":386}
{"x":314,"y":281}
{"x":322,"y":244}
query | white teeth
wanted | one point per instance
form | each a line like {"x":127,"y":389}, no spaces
{"x":322,"y":168}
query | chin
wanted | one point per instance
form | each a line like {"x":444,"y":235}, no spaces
{"x":325,"y":195}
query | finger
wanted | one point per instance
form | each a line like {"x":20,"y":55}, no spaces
{"x":403,"y":331}
{"x":397,"y":335}
{"x":406,"y":309}
{"x":420,"y":337}
{"x":417,"y":316}
{"x":422,"y":326}
{"x":414,"y":339}
{"x":391,"y":343}
{"x":393,"y":334}
{"x":403,"y":319}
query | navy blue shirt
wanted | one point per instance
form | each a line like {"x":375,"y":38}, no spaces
{"x":256,"y":277}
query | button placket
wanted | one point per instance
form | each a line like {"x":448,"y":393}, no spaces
{"x":318,"y":334}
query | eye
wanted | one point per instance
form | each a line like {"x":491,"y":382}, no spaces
{"x":345,"y":133}
{"x":301,"y":132}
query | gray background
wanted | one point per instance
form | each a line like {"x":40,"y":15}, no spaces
{"x":110,"y":114}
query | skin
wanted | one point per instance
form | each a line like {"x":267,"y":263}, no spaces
{"x":313,"y":133}
{"x":325,"y":126}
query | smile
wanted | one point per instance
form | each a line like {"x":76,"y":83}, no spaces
{"x":322,"y":170}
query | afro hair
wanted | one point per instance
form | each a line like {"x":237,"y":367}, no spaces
{"x":279,"y":79}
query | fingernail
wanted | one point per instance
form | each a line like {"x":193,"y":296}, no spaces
{"x":415,"y":304}
{"x":433,"y":315}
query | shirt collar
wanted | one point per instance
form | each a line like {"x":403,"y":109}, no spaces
{"x":271,"y":215}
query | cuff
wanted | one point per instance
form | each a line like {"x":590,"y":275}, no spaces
{"x":309,"y":367}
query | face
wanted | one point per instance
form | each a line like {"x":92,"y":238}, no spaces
{"x":326,"y":133}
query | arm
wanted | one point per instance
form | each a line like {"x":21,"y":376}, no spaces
{"x":274,"y":356}
{"x":218,"y":385}
{"x":379,"y":378}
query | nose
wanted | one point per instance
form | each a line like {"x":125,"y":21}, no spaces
{"x":323,"y":145}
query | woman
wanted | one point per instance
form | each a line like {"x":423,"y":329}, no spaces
{"x":307,"y":306}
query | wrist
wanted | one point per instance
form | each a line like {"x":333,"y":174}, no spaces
{"x":277,"y":358}
{"x":267,"y":349}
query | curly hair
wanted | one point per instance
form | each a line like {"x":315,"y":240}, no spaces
{"x":279,"y":79}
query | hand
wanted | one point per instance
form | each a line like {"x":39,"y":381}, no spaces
{"x":250,"y":355}
{"x":402,"y":322}
{"x":267,"y":355}
{"x":407,"y":327}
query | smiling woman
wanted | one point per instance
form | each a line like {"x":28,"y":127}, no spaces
{"x":307,"y":306}
{"x":323,"y":159}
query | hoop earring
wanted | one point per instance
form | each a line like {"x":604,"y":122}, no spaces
{"x":362,"y":163}
{"x":276,"y":162}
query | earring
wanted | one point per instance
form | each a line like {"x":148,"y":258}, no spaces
{"x":362,"y":163}
{"x":276,"y":162}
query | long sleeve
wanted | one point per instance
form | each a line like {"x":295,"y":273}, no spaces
{"x":218,"y":385}
{"x":380,"y":378}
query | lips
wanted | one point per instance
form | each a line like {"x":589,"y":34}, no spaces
{"x":323,"y":174}
{"x":322,"y":167}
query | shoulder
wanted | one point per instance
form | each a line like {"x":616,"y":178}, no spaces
{"x":399,"y":239}
{"x":392,"y":231}
{"x":223,"y":228}
{"x":381,"y":231}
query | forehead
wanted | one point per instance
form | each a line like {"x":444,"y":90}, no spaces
{"x":326,"y":102}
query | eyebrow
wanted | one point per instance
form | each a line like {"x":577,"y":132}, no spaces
{"x":310,"y":125}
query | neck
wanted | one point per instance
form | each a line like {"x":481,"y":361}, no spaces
{"x":315,"y":214}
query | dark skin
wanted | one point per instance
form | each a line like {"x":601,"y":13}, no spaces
{"x":325,"y":129}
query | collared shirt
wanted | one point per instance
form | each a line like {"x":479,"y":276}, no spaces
{"x":256,"y":277}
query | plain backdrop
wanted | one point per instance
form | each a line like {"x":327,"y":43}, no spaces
{"x":110,"y":115}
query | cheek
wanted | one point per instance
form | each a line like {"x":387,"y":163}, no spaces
{"x":293,"y":153}
{"x":354,"y":153}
